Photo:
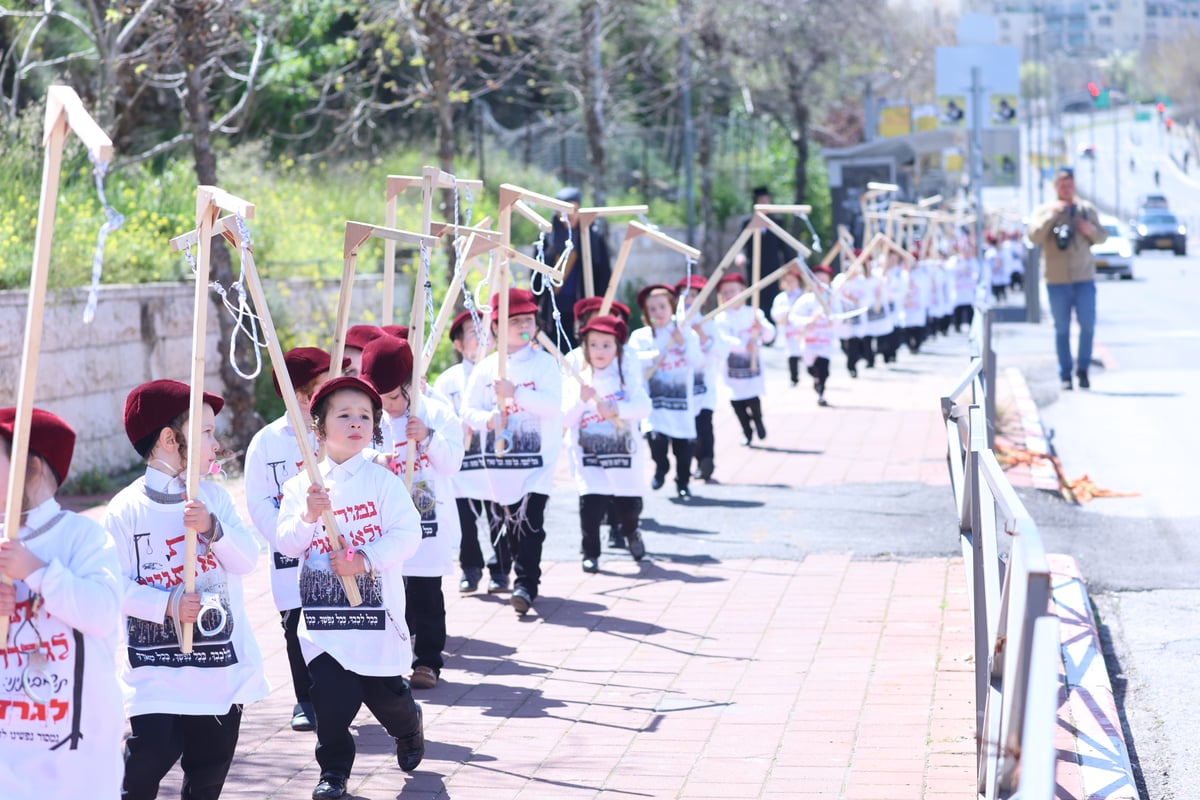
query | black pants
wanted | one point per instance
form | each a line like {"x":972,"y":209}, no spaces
{"x":682,"y":448}
{"x":470,"y":556}
{"x":592,"y":510}
{"x":748,"y":411}
{"x":1017,"y":280}
{"x":852,"y":346}
{"x":820,"y":373}
{"x":999,"y":291}
{"x":290,"y":621}
{"x":963,"y":314}
{"x":338,"y":694}
{"x":203,"y":745}
{"x":794,"y":369}
{"x":425,"y":613}
{"x":888,"y":344}
{"x":518,"y":533}
{"x":914,"y":337}
{"x":869,"y":348}
{"x":704,"y":435}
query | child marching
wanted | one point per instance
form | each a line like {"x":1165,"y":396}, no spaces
{"x":601,"y":419}
{"x":669,"y":357}
{"x":746,"y":328}
{"x":704,"y":383}
{"x":355,"y":655}
{"x":182,"y":706}
{"x":273,"y":457}
{"x":793,"y":336}
{"x":387,"y":364}
{"x":523,"y":412}
{"x":809,"y":315}
{"x":62,"y":720}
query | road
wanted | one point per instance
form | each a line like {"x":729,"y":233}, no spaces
{"x":1136,"y":432}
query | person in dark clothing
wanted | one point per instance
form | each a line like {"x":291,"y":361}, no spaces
{"x":773,"y":256}
{"x":573,"y":288}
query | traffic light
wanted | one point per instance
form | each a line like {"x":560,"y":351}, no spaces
{"x":1093,"y":89}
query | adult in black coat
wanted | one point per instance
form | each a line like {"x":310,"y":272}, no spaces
{"x":774,"y":253}
{"x":572,"y":289}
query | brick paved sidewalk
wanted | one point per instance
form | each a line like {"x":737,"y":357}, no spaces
{"x":834,"y":676}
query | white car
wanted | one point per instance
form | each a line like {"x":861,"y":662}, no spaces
{"x":1114,"y":256}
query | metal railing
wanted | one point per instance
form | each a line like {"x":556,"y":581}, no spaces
{"x":1017,"y":649}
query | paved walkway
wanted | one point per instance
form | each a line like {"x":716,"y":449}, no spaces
{"x":835,"y":676}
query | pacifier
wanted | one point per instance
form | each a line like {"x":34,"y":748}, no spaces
{"x":214,"y":468}
{"x":211,"y":601}
{"x":525,"y":337}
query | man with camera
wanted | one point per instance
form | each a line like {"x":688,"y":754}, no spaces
{"x":1066,"y":228}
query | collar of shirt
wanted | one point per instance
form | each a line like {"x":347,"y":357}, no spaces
{"x":160,"y":481}
{"x":40,"y":515}
{"x":524,"y":354}
{"x":344,"y":471}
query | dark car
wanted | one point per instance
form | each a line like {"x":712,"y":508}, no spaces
{"x":1159,"y":230}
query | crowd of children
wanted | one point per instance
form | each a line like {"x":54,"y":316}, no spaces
{"x":388,"y":523}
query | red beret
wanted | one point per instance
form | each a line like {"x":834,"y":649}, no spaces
{"x":387,"y":363}
{"x":621,"y":309}
{"x":691,"y":282}
{"x":49,"y":437}
{"x":648,"y":290}
{"x":520,"y":301}
{"x":150,"y":407}
{"x":822,"y":268}
{"x":398,"y":331}
{"x":592,"y":304}
{"x":359,"y":335}
{"x":732,"y":277}
{"x":457,"y":326}
{"x":346,"y":382}
{"x":609,"y":324}
{"x":303,"y":365}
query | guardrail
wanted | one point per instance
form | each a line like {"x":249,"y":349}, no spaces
{"x":1017,"y":648}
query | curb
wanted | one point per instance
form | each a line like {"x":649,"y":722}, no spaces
{"x":1093,"y":759}
{"x":1041,"y":471}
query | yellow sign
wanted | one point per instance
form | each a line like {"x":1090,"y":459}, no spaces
{"x":895,"y":121}
{"x":1004,"y":110}
{"x":952,"y":111}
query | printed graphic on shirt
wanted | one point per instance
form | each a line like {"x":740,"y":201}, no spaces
{"x":322,"y":595}
{"x":23,"y":721}
{"x":280,"y":475}
{"x":159,"y":563}
{"x":524,"y":451}
{"x":425,"y":499}
{"x":699,"y":385}
{"x":152,"y":644}
{"x":606,"y":444}
{"x":741,"y":365}
{"x":473,"y":454}
{"x":668,"y":390}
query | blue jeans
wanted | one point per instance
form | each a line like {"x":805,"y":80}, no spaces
{"x":1082,"y":297}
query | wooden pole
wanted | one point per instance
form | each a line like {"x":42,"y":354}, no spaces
{"x":254,"y":285}
{"x":416,"y":321}
{"x":740,"y":298}
{"x":586,"y":217}
{"x":610,"y":294}
{"x":389,"y":264}
{"x":756,"y":292}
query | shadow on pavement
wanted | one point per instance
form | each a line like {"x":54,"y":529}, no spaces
{"x":654,"y":526}
{"x":652,"y":571}
{"x":789,"y":450}
{"x":593,"y":616}
{"x":697,"y":501}
{"x":509,"y":702}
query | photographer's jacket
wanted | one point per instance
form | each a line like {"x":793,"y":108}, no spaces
{"x":1072,"y":263}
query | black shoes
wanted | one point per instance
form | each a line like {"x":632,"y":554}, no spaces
{"x":1067,"y":385}
{"x":409,"y":749}
{"x":683,"y":493}
{"x":658,"y":482}
{"x":470,"y":580}
{"x":521,"y":601}
{"x":1084,"y":383}
{"x":304,"y":718}
{"x":496,"y":585}
{"x":331,"y":787}
{"x":706,"y":469}
{"x":615,"y":540}
{"x":637,"y":548}
{"x":760,"y":429}
{"x":589,"y":565}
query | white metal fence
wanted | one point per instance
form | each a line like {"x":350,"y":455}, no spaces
{"x":1017,"y":649}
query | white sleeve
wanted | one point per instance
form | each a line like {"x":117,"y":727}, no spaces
{"x":83,"y":588}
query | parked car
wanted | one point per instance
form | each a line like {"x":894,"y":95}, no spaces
{"x":1156,"y":229}
{"x":1114,"y":256}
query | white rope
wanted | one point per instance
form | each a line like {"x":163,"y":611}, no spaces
{"x":816,"y":240}
{"x":113,"y":220}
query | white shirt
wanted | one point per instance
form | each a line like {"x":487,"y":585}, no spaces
{"x":669,"y":378}
{"x":434,"y":466}
{"x":534,"y":420}
{"x":705,"y":379}
{"x":793,"y":336}
{"x":375,"y":515}
{"x":271,"y":459}
{"x":743,"y":371}
{"x":222,"y":669}
{"x":607,"y":458}
{"x":80,"y":592}
{"x":808,"y":314}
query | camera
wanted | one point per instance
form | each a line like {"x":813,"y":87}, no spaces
{"x":1062,"y":235}
{"x":1062,"y":231}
